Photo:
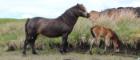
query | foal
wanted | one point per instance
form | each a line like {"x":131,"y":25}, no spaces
{"x":108,"y":36}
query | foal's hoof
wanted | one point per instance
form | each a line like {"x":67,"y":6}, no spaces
{"x":104,"y":52}
{"x":117,"y":51}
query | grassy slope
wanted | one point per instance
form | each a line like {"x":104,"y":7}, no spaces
{"x":13,"y":30}
{"x":126,"y":28}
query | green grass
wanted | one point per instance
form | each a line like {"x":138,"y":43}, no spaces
{"x":7,"y":20}
{"x":81,"y":27}
{"x":126,"y":28}
{"x":11,"y":29}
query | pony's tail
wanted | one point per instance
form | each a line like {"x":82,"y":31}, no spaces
{"x":26,"y":25}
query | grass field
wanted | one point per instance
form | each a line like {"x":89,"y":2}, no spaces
{"x":13,"y":30}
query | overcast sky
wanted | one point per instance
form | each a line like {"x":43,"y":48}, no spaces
{"x":54,"y":8}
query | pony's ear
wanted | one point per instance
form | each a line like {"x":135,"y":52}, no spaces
{"x":78,"y":4}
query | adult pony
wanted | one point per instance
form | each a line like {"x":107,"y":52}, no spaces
{"x":107,"y":35}
{"x":61,"y":26}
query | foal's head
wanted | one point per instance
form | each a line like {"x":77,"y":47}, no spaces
{"x":80,"y":10}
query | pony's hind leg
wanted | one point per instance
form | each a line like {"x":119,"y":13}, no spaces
{"x":32,"y":43}
{"x":30,"y":39}
{"x":26,"y":42}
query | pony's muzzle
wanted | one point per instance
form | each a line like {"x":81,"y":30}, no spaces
{"x":86,"y":14}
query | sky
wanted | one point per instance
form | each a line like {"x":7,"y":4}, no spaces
{"x":54,"y":8}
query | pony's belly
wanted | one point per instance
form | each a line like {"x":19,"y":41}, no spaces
{"x":52,"y":34}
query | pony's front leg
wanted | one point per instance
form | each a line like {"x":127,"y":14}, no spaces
{"x":64,"y":43}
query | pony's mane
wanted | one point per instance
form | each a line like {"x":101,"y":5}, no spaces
{"x":69,"y":16}
{"x":69,"y":11}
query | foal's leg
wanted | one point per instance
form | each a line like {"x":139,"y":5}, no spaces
{"x":91,"y":45}
{"x":107,"y":43}
{"x":98,"y":41}
{"x":64,"y":43}
{"x":116,"y":46}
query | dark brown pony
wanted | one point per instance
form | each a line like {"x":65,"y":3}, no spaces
{"x":107,"y":35}
{"x":61,"y":26}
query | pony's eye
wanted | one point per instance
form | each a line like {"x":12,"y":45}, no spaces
{"x":83,"y":8}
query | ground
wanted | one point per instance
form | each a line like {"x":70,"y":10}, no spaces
{"x":57,"y":56}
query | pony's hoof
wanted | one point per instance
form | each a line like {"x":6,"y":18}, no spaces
{"x":62,"y":51}
{"x":24,"y":53}
{"x":90,"y":53}
{"x":35,"y":53}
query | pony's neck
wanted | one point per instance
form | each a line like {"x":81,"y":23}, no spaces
{"x":69,"y":18}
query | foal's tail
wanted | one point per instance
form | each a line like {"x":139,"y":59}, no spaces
{"x":92,"y":33}
{"x":26,"y":26}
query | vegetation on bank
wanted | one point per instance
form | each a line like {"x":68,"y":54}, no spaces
{"x":127,"y":28}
